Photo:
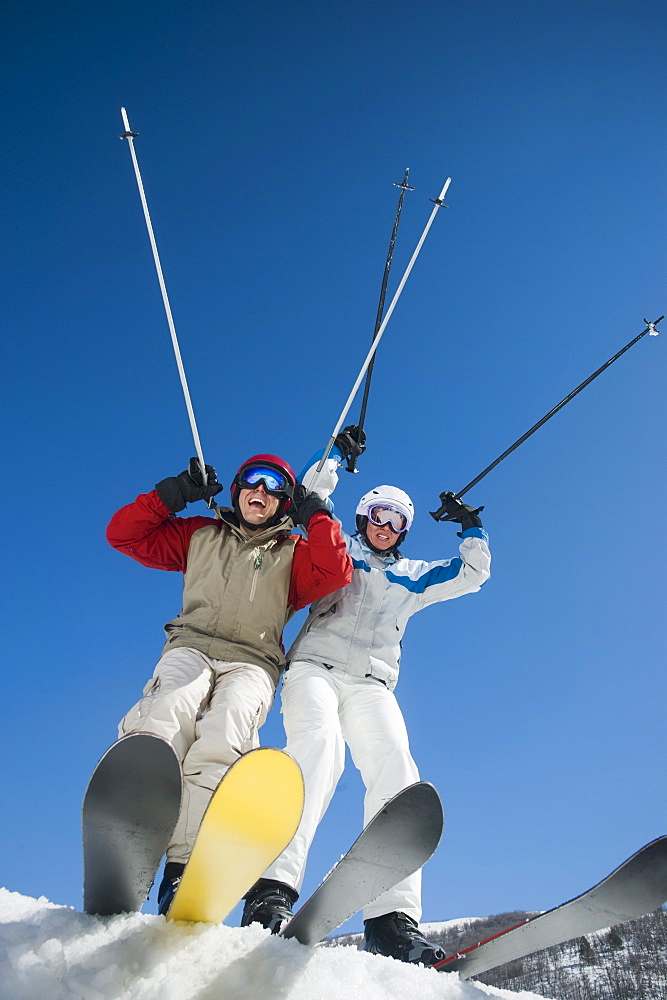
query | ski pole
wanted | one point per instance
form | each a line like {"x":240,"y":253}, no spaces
{"x":439,"y":203}
{"x":404,"y":186}
{"x":131,"y":136}
{"x":651,"y":328}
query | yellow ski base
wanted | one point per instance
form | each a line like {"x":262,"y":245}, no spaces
{"x":253,"y":815}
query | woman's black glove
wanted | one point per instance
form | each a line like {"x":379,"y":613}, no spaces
{"x":351,"y":441}
{"x":305,"y":504}
{"x":455,"y":510}
{"x":176,"y":491}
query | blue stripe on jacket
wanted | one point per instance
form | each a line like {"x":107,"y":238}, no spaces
{"x":360,"y":564}
{"x":438,"y":574}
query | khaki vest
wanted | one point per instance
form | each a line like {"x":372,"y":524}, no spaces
{"x":235,"y":594}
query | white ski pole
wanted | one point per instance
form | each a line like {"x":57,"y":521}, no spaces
{"x":439,"y":203}
{"x":130,"y":136}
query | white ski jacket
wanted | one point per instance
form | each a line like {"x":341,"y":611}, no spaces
{"x":360,"y":627}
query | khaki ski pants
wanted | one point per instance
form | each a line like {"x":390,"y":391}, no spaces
{"x":210,"y":711}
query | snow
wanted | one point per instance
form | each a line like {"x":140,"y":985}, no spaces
{"x":51,"y":952}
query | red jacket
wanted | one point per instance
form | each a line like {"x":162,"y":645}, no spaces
{"x":239,"y":592}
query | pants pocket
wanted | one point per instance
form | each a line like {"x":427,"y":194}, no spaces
{"x":132,"y":720}
{"x":151,"y":687}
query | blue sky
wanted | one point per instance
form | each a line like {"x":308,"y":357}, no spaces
{"x":271,"y":135}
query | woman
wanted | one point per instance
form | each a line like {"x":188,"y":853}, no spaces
{"x":338,"y":689}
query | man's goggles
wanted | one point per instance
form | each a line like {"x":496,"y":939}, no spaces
{"x":380,"y":515}
{"x":274,"y":482}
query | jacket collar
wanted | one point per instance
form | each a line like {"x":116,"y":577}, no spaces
{"x":374,"y":557}
{"x":229,"y":516}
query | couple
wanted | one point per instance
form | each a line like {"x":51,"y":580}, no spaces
{"x":245,"y":575}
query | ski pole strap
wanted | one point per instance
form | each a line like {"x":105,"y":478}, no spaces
{"x":651,"y":328}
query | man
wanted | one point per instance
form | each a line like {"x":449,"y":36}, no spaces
{"x":338,"y":689}
{"x":244,"y":576}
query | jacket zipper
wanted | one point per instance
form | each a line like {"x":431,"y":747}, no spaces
{"x":257,"y":564}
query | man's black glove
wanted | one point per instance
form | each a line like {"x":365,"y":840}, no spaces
{"x":305,"y":504}
{"x":351,"y":441}
{"x":456,"y":510}
{"x":176,"y":491}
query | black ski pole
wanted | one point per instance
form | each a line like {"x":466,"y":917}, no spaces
{"x":650,"y":328}
{"x":404,"y":186}
{"x":439,"y":203}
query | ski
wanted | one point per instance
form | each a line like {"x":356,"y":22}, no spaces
{"x":635,"y":888}
{"x":397,"y":841}
{"x":129,"y":812}
{"x":253,"y":815}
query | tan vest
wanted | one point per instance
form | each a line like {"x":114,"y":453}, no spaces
{"x":235,"y":594}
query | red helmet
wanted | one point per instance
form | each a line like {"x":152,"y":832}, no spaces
{"x":270,"y":462}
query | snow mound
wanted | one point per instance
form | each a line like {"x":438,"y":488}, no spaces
{"x":51,"y":952}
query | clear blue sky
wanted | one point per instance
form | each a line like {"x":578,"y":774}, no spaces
{"x":271,"y":135}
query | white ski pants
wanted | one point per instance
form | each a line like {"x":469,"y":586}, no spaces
{"x":323,"y":709}
{"x":210,"y":711}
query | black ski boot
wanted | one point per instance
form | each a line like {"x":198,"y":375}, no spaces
{"x":168,"y":886}
{"x":397,"y":936}
{"x":269,"y":903}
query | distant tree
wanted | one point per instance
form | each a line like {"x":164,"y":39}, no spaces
{"x":586,"y":952}
{"x":614,"y":939}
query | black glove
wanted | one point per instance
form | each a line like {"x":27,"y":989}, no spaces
{"x":176,"y":491}
{"x":456,"y":510}
{"x":305,"y":504}
{"x":351,"y":441}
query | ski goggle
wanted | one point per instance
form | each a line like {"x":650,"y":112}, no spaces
{"x":274,"y":482}
{"x":380,"y":515}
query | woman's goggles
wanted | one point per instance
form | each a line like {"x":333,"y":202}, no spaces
{"x":380,"y":515}
{"x":273,"y":481}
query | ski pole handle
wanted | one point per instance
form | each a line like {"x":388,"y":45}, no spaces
{"x":439,"y":514}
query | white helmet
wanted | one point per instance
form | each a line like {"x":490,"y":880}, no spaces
{"x":387,"y":496}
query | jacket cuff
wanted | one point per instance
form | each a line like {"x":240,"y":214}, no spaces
{"x":156,"y":504}
{"x":318,"y":517}
{"x":475,"y":533}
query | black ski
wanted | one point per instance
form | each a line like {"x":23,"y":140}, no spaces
{"x":129,"y":812}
